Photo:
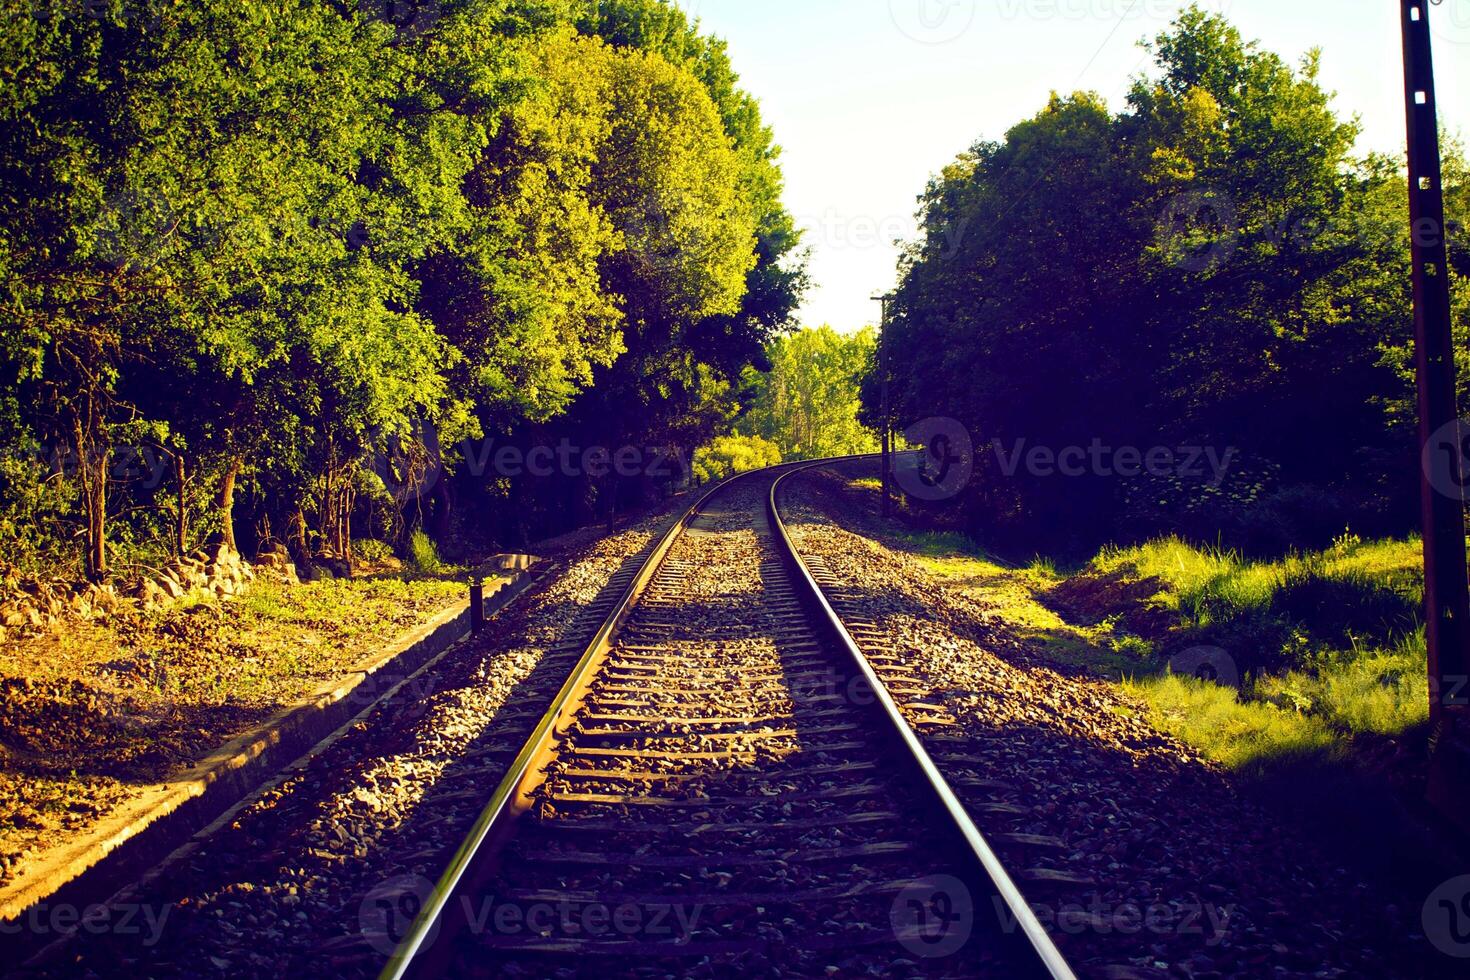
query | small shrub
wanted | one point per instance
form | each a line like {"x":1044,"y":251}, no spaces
{"x":373,"y":550}
{"x":729,"y":455}
{"x":1375,"y":691}
{"x":1341,"y":607}
{"x":423,"y":554}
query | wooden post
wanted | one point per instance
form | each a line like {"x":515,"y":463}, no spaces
{"x":477,"y":605}
{"x":1446,"y":584}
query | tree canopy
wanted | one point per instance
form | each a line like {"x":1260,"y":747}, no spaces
{"x":1209,"y":267}
{"x":484,"y":215}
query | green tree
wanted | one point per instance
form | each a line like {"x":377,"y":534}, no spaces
{"x":1193,"y":271}
{"x":808,"y":402}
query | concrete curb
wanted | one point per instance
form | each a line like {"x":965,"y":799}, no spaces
{"x":135,"y":836}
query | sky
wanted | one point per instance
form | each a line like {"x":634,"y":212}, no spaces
{"x":868,"y":98}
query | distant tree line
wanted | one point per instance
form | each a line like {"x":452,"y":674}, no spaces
{"x":1209,"y":269}
{"x":802,"y":402}
{"x":808,"y":402}
{"x":293,"y":271}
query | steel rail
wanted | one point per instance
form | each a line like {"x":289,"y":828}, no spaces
{"x":511,"y":797}
{"x":423,"y":949}
{"x":945,"y":798}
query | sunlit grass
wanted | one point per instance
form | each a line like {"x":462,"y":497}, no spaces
{"x":1213,"y":719}
{"x":1329,"y":641}
{"x":1382,"y":692}
{"x":1209,"y":585}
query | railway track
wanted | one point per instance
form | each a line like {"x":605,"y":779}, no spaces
{"x":725,"y":786}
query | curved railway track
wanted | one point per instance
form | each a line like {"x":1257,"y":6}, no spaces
{"x":725,"y":786}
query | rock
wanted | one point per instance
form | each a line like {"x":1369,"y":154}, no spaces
{"x":171,"y":587}
{"x":151,"y":594}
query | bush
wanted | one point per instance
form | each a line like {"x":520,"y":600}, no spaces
{"x":423,"y":554}
{"x":373,"y":550}
{"x":1376,"y":691}
{"x":729,"y":455}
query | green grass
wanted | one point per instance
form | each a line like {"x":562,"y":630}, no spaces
{"x":1355,"y":587}
{"x":1241,"y":735}
{"x":1377,"y":692}
{"x":1333,"y":658}
{"x":1335,"y":664}
{"x":423,"y":555}
{"x":1328,"y":643}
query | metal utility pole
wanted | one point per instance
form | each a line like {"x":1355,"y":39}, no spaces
{"x":1446,"y":589}
{"x":887,"y":416}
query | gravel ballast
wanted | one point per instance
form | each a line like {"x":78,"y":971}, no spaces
{"x":299,"y":879}
{"x":1165,"y":870}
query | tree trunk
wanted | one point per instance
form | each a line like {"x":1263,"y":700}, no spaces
{"x":349,"y":501}
{"x":97,"y":521}
{"x":181,"y":527}
{"x":296,"y":542}
{"x":92,"y":466}
{"x":227,"y":501}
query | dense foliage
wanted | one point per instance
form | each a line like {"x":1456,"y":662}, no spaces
{"x":1208,"y":269}
{"x":275,"y":266}
{"x":807,"y":403}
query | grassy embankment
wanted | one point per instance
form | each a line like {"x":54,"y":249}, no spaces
{"x":92,"y":712}
{"x":1331,"y":714}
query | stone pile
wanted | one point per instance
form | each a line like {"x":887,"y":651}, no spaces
{"x":220,"y":572}
{"x":30,"y":603}
{"x":276,"y":565}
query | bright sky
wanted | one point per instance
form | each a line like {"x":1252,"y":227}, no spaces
{"x":870,"y":97}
